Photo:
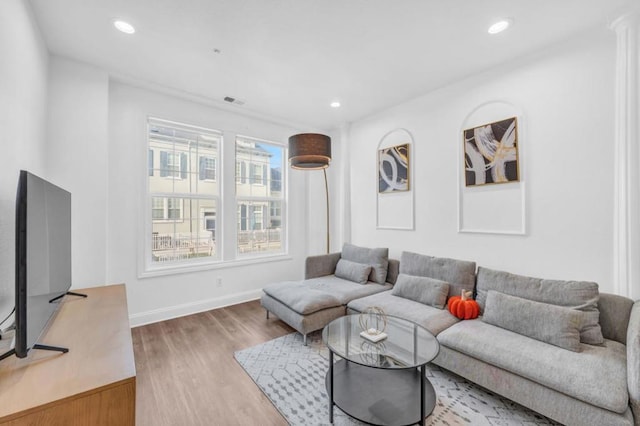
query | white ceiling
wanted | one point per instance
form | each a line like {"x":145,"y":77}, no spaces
{"x":288,"y":59}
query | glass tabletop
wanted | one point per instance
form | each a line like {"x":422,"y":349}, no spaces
{"x":407,"y":345}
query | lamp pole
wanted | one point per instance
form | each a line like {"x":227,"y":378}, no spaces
{"x":326,"y":191}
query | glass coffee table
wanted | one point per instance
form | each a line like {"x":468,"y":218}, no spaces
{"x":380,"y":383}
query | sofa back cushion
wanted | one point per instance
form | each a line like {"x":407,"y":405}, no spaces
{"x":541,"y":321}
{"x":425,"y":290}
{"x":352,"y":271}
{"x":580,"y":295}
{"x":614,"y":316}
{"x":460,"y":274}
{"x":393,"y":270}
{"x":377,"y":258}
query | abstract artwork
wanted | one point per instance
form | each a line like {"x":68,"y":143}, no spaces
{"x":393,"y":168}
{"x":491,"y":153}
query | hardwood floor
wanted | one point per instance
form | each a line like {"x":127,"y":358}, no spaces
{"x":186,"y":373}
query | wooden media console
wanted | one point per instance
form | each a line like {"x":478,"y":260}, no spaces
{"x":93,"y":384}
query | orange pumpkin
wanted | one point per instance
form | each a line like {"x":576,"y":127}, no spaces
{"x":463,"y":307}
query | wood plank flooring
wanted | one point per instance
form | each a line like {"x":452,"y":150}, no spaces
{"x":186,"y":373}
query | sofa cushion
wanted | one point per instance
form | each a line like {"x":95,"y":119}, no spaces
{"x":633,"y":359}
{"x":460,"y":274}
{"x":393,"y":269}
{"x":343,"y":290}
{"x":580,"y":295}
{"x":377,"y":258}
{"x":614,"y":316}
{"x":352,"y":271}
{"x":597,"y":375}
{"x":425,"y":290}
{"x":541,"y":321}
{"x":434,"y":320}
{"x":300,"y":298}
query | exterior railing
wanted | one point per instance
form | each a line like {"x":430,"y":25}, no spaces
{"x":182,"y":246}
{"x":259,"y":240}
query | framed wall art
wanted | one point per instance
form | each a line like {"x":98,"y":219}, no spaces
{"x":491,"y":153}
{"x":393,"y":169}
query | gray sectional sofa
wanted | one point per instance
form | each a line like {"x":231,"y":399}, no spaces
{"x":560,"y":348}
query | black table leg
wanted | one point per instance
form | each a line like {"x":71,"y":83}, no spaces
{"x":423,"y":377}
{"x":330,"y":386}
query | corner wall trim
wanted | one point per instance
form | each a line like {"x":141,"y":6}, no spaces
{"x":626,"y":237}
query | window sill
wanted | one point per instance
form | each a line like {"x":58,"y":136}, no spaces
{"x":214,"y":265}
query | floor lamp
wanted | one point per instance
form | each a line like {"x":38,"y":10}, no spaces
{"x":312,"y":151}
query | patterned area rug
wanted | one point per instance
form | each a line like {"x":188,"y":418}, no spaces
{"x":293,"y":377}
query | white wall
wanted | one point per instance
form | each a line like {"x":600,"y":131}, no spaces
{"x":76,"y":157}
{"x":567,"y":98}
{"x":23,"y":105}
{"x":96,"y":149}
{"x":166,"y":296}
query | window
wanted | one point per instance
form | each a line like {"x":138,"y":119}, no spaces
{"x":207,"y":168}
{"x":172,"y":164}
{"x":241,"y":172}
{"x":256,"y":174}
{"x":184,"y":198}
{"x":150,"y":161}
{"x":260,"y":197}
{"x":166,"y":208}
{"x":183,"y":194}
{"x":209,"y":220}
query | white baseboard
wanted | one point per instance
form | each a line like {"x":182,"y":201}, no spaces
{"x":176,"y":311}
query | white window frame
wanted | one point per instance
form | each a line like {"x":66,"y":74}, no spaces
{"x":149,"y":266}
{"x":225,"y":203}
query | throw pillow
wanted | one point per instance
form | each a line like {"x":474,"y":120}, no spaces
{"x":377,"y":258}
{"x":582,"y":296}
{"x":425,"y":290}
{"x":352,"y":271}
{"x":541,"y":321}
{"x":460,"y":274}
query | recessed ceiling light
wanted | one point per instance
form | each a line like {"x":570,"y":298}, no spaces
{"x":500,"y":26}
{"x":335,"y":104}
{"x":123,"y":26}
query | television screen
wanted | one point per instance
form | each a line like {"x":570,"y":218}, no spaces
{"x":43,"y":256}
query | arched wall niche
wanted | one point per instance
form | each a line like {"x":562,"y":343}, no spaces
{"x":495,"y":208}
{"x":396,"y":209}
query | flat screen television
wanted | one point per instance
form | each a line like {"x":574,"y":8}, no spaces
{"x":43,"y":258}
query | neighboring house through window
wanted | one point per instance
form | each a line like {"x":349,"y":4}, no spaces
{"x":183,"y":194}
{"x":260,"y":197}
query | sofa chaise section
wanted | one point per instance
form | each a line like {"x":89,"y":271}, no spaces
{"x":312,"y":303}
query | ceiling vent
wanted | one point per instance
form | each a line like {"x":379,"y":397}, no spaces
{"x":233,"y":100}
